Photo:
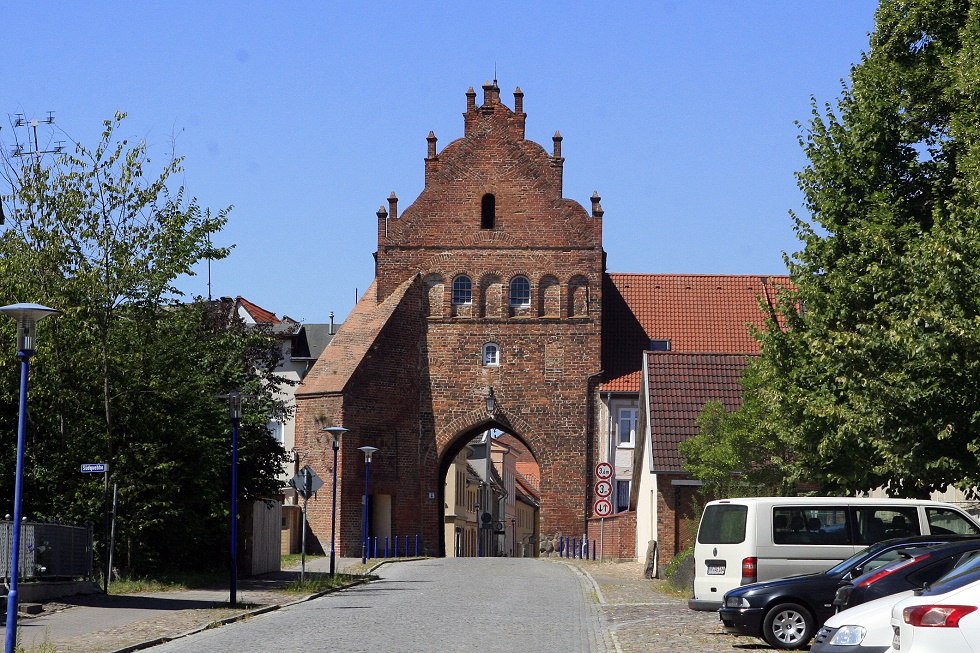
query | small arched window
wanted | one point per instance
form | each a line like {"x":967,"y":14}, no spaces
{"x":491,"y":355}
{"x":520,"y":292}
{"x":488,"y":211}
{"x":462,"y":290}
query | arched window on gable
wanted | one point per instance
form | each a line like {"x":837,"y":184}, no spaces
{"x":491,"y":355}
{"x":488,"y":211}
{"x":520,"y":292}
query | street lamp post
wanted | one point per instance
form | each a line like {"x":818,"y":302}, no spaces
{"x":368,"y":452}
{"x":234,"y":398}
{"x":335,"y":432}
{"x":27,"y":316}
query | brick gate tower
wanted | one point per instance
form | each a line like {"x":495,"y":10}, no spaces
{"x":490,"y":282}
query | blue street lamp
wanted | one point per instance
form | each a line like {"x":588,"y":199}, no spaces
{"x":27,"y":316}
{"x":368,"y":452}
{"x":234,"y":398}
{"x":335,"y":433}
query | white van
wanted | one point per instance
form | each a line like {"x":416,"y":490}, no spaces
{"x":746,"y":540}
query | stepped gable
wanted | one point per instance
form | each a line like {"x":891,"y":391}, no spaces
{"x":492,"y":157}
{"x":348,"y":348}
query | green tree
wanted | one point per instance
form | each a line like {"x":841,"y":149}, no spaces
{"x":128,"y":375}
{"x":875,"y":378}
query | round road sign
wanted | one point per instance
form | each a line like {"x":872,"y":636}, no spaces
{"x":603,"y":488}
{"x":602,"y":508}
{"x":604,"y":470}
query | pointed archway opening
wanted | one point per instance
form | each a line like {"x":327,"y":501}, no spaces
{"x":491,"y":494}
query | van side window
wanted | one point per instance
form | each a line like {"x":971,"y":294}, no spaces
{"x":810,"y":525}
{"x":946,"y":521}
{"x":877,"y":523}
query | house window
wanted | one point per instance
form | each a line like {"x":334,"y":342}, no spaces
{"x":622,"y":495}
{"x":626,"y":423}
{"x":275,"y":430}
{"x":488,"y":211}
{"x":491,"y":354}
{"x":520,"y":292}
{"x":660,"y":344}
{"x":462,"y":290}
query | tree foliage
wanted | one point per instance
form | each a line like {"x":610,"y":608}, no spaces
{"x":875,"y":378}
{"x":128,"y":375}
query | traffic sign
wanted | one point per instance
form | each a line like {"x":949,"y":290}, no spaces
{"x":94,"y":468}
{"x":306,"y":482}
{"x":603,"y":471}
{"x":603,"y":489}
{"x":602,"y":508}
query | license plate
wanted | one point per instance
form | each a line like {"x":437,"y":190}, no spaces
{"x":716,"y":570}
{"x":896,"y":638}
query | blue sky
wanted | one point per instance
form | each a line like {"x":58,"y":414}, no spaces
{"x":305,"y":116}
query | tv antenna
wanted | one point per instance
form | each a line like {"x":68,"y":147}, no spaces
{"x":32,"y":123}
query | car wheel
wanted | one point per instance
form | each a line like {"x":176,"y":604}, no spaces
{"x":788,"y":625}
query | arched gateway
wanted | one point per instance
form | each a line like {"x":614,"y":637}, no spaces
{"x":490,"y":281}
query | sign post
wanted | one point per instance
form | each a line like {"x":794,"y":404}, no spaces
{"x":602,"y":506}
{"x":306,"y":482}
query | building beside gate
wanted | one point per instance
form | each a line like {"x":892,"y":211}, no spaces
{"x":491,"y":311}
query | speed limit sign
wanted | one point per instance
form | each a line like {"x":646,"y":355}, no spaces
{"x":602,"y":508}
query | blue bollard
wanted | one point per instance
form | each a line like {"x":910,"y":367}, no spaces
{"x":416,"y":545}
{"x":386,"y":546}
{"x":375,"y":546}
{"x":586,"y":549}
{"x":593,"y":550}
{"x":396,"y":546}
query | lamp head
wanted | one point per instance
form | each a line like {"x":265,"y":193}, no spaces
{"x":335,"y":433}
{"x":234,"y":398}
{"x":368,"y":452}
{"x":27,"y":316}
{"x":491,"y":402}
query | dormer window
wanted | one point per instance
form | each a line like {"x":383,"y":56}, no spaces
{"x":488,"y":211}
{"x":659,"y":344}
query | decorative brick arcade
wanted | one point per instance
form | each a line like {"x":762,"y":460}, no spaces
{"x":407,"y":372}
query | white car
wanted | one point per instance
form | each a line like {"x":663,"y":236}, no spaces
{"x":865,"y":628}
{"x":941,"y":619}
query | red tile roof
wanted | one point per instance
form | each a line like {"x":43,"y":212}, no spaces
{"x":696,"y":312}
{"x":679,"y":385}
{"x":259,"y":314}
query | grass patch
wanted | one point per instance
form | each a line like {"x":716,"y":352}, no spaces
{"x":167,"y":582}
{"x":319,"y":582}
{"x":292,"y":560}
{"x":45,"y":646}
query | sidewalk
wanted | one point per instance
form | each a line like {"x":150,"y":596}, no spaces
{"x":100,"y":623}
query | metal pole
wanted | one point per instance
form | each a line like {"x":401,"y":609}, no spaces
{"x":602,"y":522}
{"x":11,"y":640}
{"x":302,"y":550}
{"x":112,"y":528}
{"x":234,"y":509}
{"x":108,"y":529}
{"x":333,"y":518}
{"x":364,"y":518}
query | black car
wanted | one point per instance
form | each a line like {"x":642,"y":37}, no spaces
{"x":921,"y":567}
{"x":786,"y":612}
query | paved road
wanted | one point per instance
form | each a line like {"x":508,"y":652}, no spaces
{"x":491,"y":605}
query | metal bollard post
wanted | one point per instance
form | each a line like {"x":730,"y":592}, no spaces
{"x":593,"y":549}
{"x":416,"y":545}
{"x":386,"y":546}
{"x":375,"y":546}
{"x":396,"y":546}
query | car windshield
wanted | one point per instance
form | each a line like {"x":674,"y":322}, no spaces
{"x":846,"y":565}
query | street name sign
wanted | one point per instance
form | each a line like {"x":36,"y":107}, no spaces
{"x":94,"y":468}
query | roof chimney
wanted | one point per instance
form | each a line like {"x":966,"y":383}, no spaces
{"x":596,"y":207}
{"x":519,"y":111}
{"x":331,"y":332}
{"x":393,"y":205}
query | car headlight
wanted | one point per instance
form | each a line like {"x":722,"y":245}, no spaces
{"x":848,"y":636}
{"x":736,"y":602}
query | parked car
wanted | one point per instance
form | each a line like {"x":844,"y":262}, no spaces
{"x":786,"y":612}
{"x":867,"y":628}
{"x":751,"y":539}
{"x":942,"y":618}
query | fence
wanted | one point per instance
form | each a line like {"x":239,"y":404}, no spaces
{"x":47,"y":551}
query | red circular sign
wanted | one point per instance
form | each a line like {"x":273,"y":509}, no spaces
{"x":604,"y":470}
{"x":603,"y":488}
{"x":602,"y":508}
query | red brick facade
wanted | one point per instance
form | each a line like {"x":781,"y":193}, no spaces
{"x":406,"y":372}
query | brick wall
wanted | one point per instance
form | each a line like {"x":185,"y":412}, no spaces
{"x":618,"y":533}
